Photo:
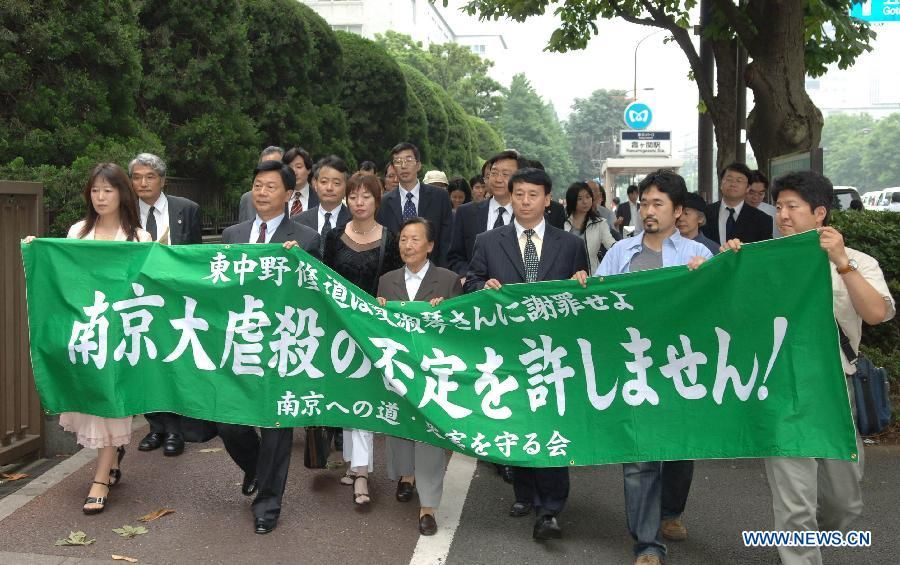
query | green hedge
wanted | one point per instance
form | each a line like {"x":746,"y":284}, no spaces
{"x":877,"y":234}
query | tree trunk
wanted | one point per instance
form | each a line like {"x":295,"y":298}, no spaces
{"x":784,"y":119}
{"x":725,"y":117}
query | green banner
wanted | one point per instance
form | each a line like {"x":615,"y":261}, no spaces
{"x":736,"y":359}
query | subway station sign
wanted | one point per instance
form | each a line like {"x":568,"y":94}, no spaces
{"x":645,"y":143}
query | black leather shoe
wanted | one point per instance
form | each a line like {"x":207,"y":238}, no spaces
{"x":506,"y":473}
{"x":151,"y":441}
{"x":264,"y":526}
{"x":405,"y":491}
{"x":248,"y":487}
{"x":173,"y":445}
{"x":546,"y":527}
{"x":427,"y":525}
{"x":519,"y":509}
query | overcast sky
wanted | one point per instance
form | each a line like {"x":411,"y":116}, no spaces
{"x":609,"y":60}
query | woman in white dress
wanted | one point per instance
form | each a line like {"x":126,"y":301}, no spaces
{"x":112,"y":215}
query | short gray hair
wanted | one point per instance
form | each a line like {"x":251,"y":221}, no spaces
{"x":148,"y":160}
{"x":271,"y":150}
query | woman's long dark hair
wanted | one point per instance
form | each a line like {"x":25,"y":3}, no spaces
{"x":572,"y":194}
{"x":129,"y":219}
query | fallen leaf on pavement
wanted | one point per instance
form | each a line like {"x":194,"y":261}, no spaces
{"x":75,"y":538}
{"x":129,"y":532}
{"x":13,"y":476}
{"x":211,"y":450}
{"x":156,"y":514}
{"x":124,"y":558}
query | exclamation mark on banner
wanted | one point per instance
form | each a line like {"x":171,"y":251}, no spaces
{"x":780,"y":324}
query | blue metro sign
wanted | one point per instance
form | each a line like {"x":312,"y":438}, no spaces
{"x":877,"y":11}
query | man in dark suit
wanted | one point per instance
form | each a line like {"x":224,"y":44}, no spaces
{"x":245,"y":207}
{"x":413,"y":199}
{"x":729,"y":218}
{"x":415,"y":465}
{"x":304,"y":197}
{"x":331,"y":175}
{"x":628,"y":213}
{"x":474,"y":218}
{"x":530,"y":250}
{"x":265,"y":458}
{"x":170,"y":220}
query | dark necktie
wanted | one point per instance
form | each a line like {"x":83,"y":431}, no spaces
{"x":499,"y":221}
{"x":409,"y":209}
{"x":262,"y":233}
{"x":531,"y":258}
{"x":296,"y":207}
{"x":151,"y":222}
{"x":326,"y":227}
{"x":730,"y":225}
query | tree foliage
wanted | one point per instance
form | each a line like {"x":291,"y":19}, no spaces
{"x":435,"y":115}
{"x":488,"y":140}
{"x":530,"y":126}
{"x":65,"y":79}
{"x":860,"y":151}
{"x":376,"y":114}
{"x":453,"y":67}
{"x":593,"y":128}
{"x":196,"y":78}
{"x":785,"y":40}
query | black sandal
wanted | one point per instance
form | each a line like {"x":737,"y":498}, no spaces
{"x":115,"y":475}
{"x":101,"y":500}
{"x":357,"y":496}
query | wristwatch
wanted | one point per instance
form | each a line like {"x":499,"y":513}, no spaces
{"x":852,"y":265}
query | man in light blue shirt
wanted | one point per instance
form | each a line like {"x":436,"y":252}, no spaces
{"x":656,"y":492}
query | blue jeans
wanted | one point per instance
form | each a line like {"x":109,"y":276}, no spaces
{"x":647,"y":486}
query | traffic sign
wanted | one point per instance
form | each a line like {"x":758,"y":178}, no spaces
{"x":645,"y":143}
{"x":638,"y":115}
{"x":877,"y":11}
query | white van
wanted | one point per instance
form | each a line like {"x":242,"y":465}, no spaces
{"x":870,"y":199}
{"x":890,"y":199}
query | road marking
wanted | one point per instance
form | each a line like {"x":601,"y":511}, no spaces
{"x":433,"y":550}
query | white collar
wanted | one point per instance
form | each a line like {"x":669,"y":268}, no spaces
{"x":300,"y":192}
{"x":161,"y":205}
{"x":737,"y":208}
{"x":334,"y":213}
{"x":538,"y":229}
{"x":414,"y":191}
{"x":271,"y":225}
{"x":493,"y":205}
{"x":420,"y":275}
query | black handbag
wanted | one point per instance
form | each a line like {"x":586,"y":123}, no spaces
{"x":318,"y":447}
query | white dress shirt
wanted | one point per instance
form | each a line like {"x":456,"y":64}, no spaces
{"x":271,"y":226}
{"x":537,"y":238}
{"x":414,"y":280}
{"x":493,"y":206}
{"x":415,"y":199}
{"x":723,"y":217}
{"x":334,"y":216}
{"x":161,"y":213}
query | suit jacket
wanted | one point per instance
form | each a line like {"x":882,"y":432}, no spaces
{"x":184,"y":221}
{"x":437,"y":283}
{"x":555,"y":214}
{"x":434,"y":206}
{"x":752,"y":224}
{"x":497,"y":256}
{"x":287,"y":230}
{"x":246,"y":210}
{"x":310,"y":218}
{"x":470,"y":220}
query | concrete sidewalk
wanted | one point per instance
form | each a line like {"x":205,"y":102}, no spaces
{"x":212,"y":522}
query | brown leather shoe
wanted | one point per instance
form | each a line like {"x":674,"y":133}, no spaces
{"x":672,"y":529}
{"x":427,"y":525}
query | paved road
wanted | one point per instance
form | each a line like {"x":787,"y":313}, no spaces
{"x":319,"y":524}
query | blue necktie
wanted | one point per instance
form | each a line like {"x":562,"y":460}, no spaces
{"x":409,"y":209}
{"x":730,"y":225}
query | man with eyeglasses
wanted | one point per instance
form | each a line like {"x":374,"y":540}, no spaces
{"x":729,"y":218}
{"x":474,"y":218}
{"x":170,"y":220}
{"x":414,"y":199}
{"x":756,"y":195}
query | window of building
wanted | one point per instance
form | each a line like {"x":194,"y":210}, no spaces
{"x":351,"y":28}
{"x":478,"y":49}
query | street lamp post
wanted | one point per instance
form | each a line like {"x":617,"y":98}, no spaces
{"x":638,"y":44}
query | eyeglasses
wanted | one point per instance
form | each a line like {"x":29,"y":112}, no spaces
{"x":404,"y":161}
{"x":735,"y":180}
{"x":149,"y":177}
{"x":499,"y":174}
